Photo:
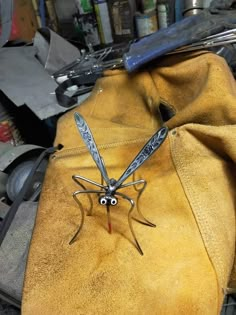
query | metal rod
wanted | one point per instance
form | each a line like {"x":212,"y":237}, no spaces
{"x":199,"y":47}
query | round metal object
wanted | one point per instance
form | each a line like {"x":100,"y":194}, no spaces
{"x":192,"y":12}
{"x":193,"y":7}
{"x":18,"y":177}
{"x":192,"y":4}
{"x":146,"y":23}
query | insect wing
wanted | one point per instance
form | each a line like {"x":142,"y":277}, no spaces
{"x":88,"y":139}
{"x":149,"y":148}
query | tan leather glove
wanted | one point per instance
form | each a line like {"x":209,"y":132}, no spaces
{"x":190,"y":196}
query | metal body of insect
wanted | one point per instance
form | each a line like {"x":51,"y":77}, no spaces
{"x":109,"y":193}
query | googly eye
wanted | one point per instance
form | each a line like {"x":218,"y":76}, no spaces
{"x":103,"y":201}
{"x":113,"y":201}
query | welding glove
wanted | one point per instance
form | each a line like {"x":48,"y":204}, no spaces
{"x":190,"y":196}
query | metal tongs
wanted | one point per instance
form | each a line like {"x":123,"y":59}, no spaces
{"x":219,"y":39}
{"x":79,"y":77}
{"x":93,"y":62}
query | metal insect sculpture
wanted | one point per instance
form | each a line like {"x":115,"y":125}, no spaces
{"x":109,"y":193}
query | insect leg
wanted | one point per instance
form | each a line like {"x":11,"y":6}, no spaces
{"x":87,"y":180}
{"x":76,"y":178}
{"x":140,"y":191}
{"x":81,"y":209}
{"x":89,"y":197}
{"x":132,"y":204}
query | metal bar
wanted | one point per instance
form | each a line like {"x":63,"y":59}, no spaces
{"x":233,"y":30}
{"x":9,"y":299}
{"x":199,"y":47}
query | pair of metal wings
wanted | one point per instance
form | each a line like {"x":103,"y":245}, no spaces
{"x":149,"y":148}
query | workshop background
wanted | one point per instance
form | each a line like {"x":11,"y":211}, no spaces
{"x":47,"y":67}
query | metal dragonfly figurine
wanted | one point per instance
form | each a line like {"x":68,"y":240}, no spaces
{"x":109,"y":193}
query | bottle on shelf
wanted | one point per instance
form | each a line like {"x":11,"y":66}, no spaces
{"x":193,"y":7}
{"x":122,"y":14}
{"x":165,"y":12}
{"x":103,"y":20}
{"x":146,"y":23}
{"x":86,"y":24}
{"x":148,"y":5}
